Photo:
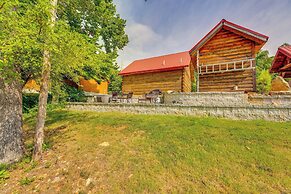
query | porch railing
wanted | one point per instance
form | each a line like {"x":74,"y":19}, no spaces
{"x":227,"y":66}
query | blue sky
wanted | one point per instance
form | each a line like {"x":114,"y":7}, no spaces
{"x":158,"y":27}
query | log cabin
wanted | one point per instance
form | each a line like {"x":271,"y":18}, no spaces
{"x":224,"y":61}
{"x":282,"y":62}
{"x":173,"y":72}
{"x":225,"y":58}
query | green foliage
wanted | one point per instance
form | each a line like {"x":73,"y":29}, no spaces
{"x":263,"y":61}
{"x":264,"y":82}
{"x":30,"y":101}
{"x":4,"y":174}
{"x":72,"y":94}
{"x":84,"y":41}
{"x":115,"y":84}
{"x":99,"y":19}
{"x":194,"y":84}
{"x":264,"y":79}
{"x":47,"y":145}
{"x":193,"y":87}
{"x":26,"y":181}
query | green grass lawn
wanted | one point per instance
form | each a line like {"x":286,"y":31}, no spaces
{"x":156,"y":154}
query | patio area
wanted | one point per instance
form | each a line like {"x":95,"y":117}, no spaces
{"x":153,"y":97}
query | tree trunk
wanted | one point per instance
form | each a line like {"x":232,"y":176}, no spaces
{"x":43,"y":95}
{"x":11,"y":144}
{"x":41,"y":114}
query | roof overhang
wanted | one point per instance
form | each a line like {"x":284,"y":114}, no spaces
{"x":154,"y":71}
{"x":282,"y":61}
{"x":247,"y":33}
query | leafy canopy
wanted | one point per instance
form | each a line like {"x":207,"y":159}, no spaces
{"x":84,"y":41}
{"x":263,"y":61}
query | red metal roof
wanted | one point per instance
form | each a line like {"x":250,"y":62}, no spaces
{"x":158,"y":64}
{"x":222,"y":23}
{"x":286,"y":50}
{"x":283,"y":53}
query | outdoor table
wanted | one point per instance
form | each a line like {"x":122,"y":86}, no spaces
{"x":95,"y":97}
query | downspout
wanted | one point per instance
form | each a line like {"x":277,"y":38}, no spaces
{"x":197,"y":66}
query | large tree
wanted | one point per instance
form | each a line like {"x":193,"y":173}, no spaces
{"x":98,"y":21}
{"x":74,"y":46}
{"x":16,"y":52}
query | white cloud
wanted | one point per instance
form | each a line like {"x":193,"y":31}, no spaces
{"x":140,"y":37}
{"x":154,"y":29}
{"x":144,"y":42}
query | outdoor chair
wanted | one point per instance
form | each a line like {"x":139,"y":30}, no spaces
{"x":114,"y":97}
{"x":126,"y":97}
{"x":152,"y":96}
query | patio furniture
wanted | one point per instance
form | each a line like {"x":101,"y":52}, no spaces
{"x":126,"y":97}
{"x":152,"y":96}
{"x":114,"y":97}
{"x":95,"y":97}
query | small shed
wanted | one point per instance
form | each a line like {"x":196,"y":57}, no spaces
{"x":282,"y":62}
{"x":225,"y":58}
{"x":172,"y":72}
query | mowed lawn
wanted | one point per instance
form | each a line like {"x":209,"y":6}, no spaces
{"x":126,"y":153}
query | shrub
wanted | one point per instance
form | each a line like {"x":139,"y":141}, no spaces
{"x":73,"y":94}
{"x":115,"y":84}
{"x":264,"y":82}
{"x":30,"y":101}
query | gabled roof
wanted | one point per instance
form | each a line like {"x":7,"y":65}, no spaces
{"x":158,"y":64}
{"x":247,"y":33}
{"x":285,"y":50}
{"x":281,"y":63}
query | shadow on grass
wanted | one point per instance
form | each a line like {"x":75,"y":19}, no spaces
{"x":50,"y":132}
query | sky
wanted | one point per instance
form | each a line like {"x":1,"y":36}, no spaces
{"x":158,"y":27}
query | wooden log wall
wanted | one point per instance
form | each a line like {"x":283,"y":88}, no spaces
{"x":186,"y":83}
{"x":227,"y":46}
{"x":143,"y":83}
{"x":225,"y":82}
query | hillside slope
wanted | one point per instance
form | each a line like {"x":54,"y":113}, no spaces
{"x":90,"y":152}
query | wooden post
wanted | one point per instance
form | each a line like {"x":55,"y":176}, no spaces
{"x":197,"y":64}
{"x":255,"y":68}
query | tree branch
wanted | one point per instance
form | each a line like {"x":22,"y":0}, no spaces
{"x":2,"y":5}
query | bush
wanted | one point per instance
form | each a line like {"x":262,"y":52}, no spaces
{"x":264,"y":82}
{"x":30,"y":101}
{"x":115,"y":84}
{"x":73,"y":94}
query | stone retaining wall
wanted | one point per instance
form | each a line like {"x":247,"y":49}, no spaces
{"x":234,"y":112}
{"x":227,"y":99}
{"x":207,"y":99}
{"x":274,"y":100}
